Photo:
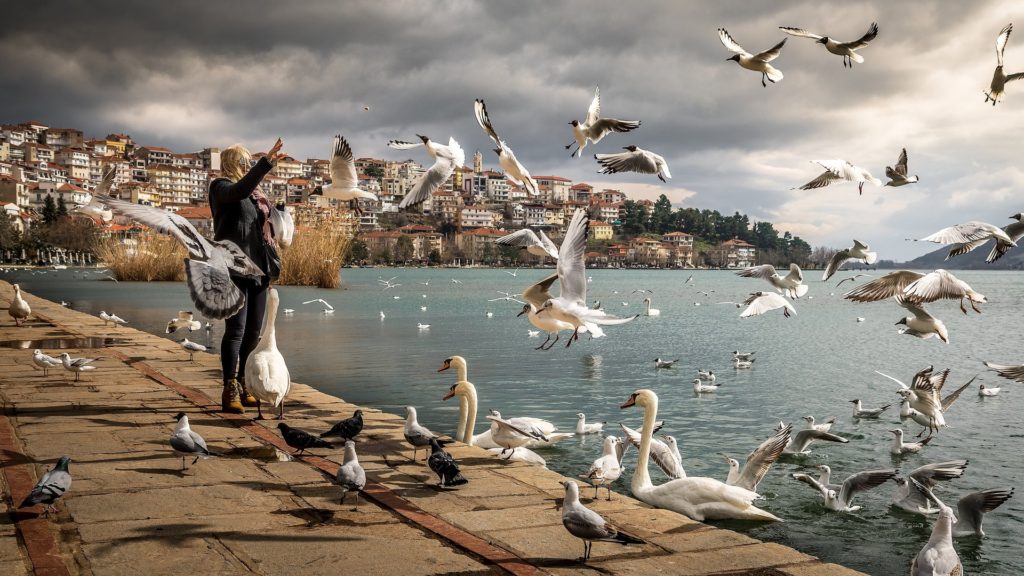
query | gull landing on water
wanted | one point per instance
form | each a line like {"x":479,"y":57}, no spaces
{"x":757,"y":62}
{"x":836,"y":170}
{"x":996,"y":89}
{"x":848,"y":50}
{"x":634,"y":160}
{"x":595,"y":128}
{"x":446,"y":160}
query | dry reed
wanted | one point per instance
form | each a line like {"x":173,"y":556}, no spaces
{"x":154,"y":258}
{"x":315,"y":257}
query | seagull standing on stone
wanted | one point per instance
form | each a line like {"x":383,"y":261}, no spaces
{"x":970,"y":235}
{"x":192,"y":347}
{"x":350,"y":476}
{"x":860,"y":251}
{"x":514,"y":170}
{"x":996,"y":89}
{"x":897,"y":175}
{"x":44,"y":361}
{"x":344,"y":179}
{"x":634,"y":159}
{"x":848,"y":50}
{"x":77,"y":365}
{"x":446,"y":160}
{"x":759,"y":62}
{"x":416,"y":435}
{"x":587,"y":525}
{"x":210,"y":264}
{"x":608,"y":468}
{"x":595,"y":128}
{"x":840,"y":170}
{"x":50,"y":487}
{"x":19,"y":308}
{"x":186,"y":442}
{"x":112,"y":318}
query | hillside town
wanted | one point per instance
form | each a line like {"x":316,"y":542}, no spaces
{"x":42,"y":166}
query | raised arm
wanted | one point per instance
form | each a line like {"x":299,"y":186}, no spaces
{"x":224,"y":191}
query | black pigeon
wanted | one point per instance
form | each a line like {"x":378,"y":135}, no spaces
{"x":348,"y":428}
{"x":301,"y":440}
{"x":52,"y":486}
{"x":444,"y":465}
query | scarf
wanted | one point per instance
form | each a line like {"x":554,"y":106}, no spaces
{"x":263,"y":203}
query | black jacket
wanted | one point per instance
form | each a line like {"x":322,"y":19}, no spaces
{"x":236,"y":215}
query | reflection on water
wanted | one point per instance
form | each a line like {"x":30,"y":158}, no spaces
{"x":811,"y":363}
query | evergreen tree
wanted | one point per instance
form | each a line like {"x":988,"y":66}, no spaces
{"x":49,"y":210}
{"x":358,"y":252}
{"x":62,"y":208}
{"x":661,"y":215}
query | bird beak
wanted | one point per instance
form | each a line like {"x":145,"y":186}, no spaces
{"x":521,"y":312}
{"x":444,"y":367}
{"x":450,"y":394}
{"x":630,"y":402}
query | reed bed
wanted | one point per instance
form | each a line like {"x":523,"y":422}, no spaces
{"x":154,"y":258}
{"x":315,"y":257}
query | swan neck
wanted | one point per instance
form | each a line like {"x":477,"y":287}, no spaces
{"x":460,"y":428}
{"x":463,"y":373}
{"x":268,"y":337}
{"x":470,"y":420}
{"x":641,"y":477}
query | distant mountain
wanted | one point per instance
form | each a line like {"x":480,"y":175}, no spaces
{"x":1012,"y":260}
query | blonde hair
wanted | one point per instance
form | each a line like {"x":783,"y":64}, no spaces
{"x":231,"y":162}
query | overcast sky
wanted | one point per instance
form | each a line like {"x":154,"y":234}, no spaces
{"x":187,"y":75}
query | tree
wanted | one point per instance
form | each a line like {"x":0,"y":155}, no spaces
{"x":49,"y":210}
{"x":374,"y":171}
{"x":62,"y":208}
{"x":9,"y":236}
{"x":383,"y":256}
{"x":634,"y":220}
{"x":661,"y":215}
{"x":358,"y":252}
{"x":434,"y":257}
{"x":404,"y":249}
{"x":798,"y":251}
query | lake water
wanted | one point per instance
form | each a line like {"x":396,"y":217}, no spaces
{"x":809,"y":364}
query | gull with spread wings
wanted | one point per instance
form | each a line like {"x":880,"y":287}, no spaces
{"x":514,"y":170}
{"x":536,"y":243}
{"x":897,"y":175}
{"x":848,"y":50}
{"x":860,"y":251}
{"x":759,"y":62}
{"x":595,"y":128}
{"x":446,"y":160}
{"x":965,"y":237}
{"x":837,"y":170}
{"x":997,"y":88}
{"x":344,"y":180}
{"x":634,"y":159}
{"x":917,"y":288}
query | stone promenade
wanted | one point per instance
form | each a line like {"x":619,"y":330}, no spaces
{"x":259,"y":509}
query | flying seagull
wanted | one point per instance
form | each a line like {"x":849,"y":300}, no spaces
{"x":1015,"y":230}
{"x":587,"y":525}
{"x":968,"y":236}
{"x":536,"y":243}
{"x":848,"y":50}
{"x":1015,"y":373}
{"x":446,"y":160}
{"x":840,"y":170}
{"x":842,"y":501}
{"x":594,"y":128}
{"x":996,"y":89}
{"x":95,"y":209}
{"x":757,"y":62}
{"x":791,"y":284}
{"x":634,"y":160}
{"x":760,"y":302}
{"x":210,"y":264}
{"x":860,"y":251}
{"x":514,"y":170}
{"x":897,"y":175}
{"x":344,"y":180}
{"x":50,"y":487}
{"x":917,"y":288}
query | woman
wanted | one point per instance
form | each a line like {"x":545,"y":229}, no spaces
{"x":241,"y":214}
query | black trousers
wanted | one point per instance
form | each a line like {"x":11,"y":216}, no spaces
{"x":242,"y":331}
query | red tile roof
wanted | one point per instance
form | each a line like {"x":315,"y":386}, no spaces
{"x":196,"y":213}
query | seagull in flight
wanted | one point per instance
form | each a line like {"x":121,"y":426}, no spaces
{"x":595,"y":128}
{"x":514,"y":273}
{"x":848,"y":50}
{"x":791,"y":284}
{"x":344,"y":180}
{"x":514,"y":170}
{"x":95,"y":209}
{"x":634,"y":160}
{"x":507,"y":297}
{"x":328,"y":309}
{"x":536,"y":243}
{"x":388,"y":284}
{"x":860,"y":251}
{"x":897,"y":175}
{"x":760,"y":302}
{"x":970,"y":235}
{"x":838,"y":170}
{"x":917,"y":288}
{"x":759,"y":62}
{"x":446,"y":160}
{"x":996,"y":89}
{"x":852,"y":278}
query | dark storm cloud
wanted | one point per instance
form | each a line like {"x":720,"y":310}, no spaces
{"x":193,"y":74}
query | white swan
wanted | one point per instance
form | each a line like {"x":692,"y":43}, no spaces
{"x":466,"y":392}
{"x":694,"y":497}
{"x":19,"y":309}
{"x":650,"y":311}
{"x":266,"y":374}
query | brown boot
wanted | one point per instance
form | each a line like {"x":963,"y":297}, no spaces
{"x":230,"y":399}
{"x":247,"y":398}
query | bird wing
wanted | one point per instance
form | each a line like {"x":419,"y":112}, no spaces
{"x":834,"y":263}
{"x":524,"y":238}
{"x":916,"y":309}
{"x":765,"y":302}
{"x":572,"y":272}
{"x":1009,"y":372}
{"x":605,"y":125}
{"x":485,"y":121}
{"x":198,"y":441}
{"x":803,"y":438}
{"x":824,"y":179}
{"x":762,"y":458}
{"x":813,"y":483}
{"x":621,"y":446}
{"x":862,"y":481}
{"x":765,"y":271}
{"x":937,"y":285}
{"x":961,"y":233}
{"x":952,"y":397}
{"x":794,"y":273}
{"x":538,"y":294}
{"x":638,"y":161}
{"x":865,"y":39}
{"x":888,"y":286}
{"x":1015,"y":231}
{"x":931,"y":474}
{"x":403,"y":145}
{"x":343,"y":166}
{"x":527,"y":431}
{"x":771,"y":53}
{"x":594,"y":111}
{"x":729,"y":43}
{"x":107,"y":182}
{"x":800,"y":32}
{"x":901,"y":164}
{"x":1013,"y":77}
{"x":212,"y":290}
{"x":1001,"y":40}
{"x":971,"y":509}
{"x":548,"y":244}
{"x":164,"y":222}
{"x":446,"y":161}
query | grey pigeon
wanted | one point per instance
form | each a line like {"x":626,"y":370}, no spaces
{"x":50,"y":487}
{"x":186,"y":442}
{"x":300,"y":439}
{"x":348,"y":428}
{"x":444,"y":465}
